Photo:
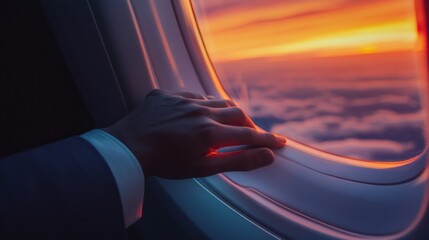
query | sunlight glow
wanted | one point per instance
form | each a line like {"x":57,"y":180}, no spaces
{"x":344,"y":77}
{"x":319,"y":28}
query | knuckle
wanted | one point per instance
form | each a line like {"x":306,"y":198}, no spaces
{"x":249,"y":134}
{"x":270,"y":138}
{"x":239,"y":112}
{"x":244,"y":160}
{"x":197,"y":110}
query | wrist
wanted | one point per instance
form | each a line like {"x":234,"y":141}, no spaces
{"x":132,"y":144}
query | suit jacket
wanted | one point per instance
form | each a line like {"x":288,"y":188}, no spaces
{"x":64,"y":190}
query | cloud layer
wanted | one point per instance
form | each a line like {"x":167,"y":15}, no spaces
{"x":343,"y":76}
{"x":364,"y":110}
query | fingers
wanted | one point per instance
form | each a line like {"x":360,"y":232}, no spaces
{"x":232,"y":136}
{"x":208,"y":101}
{"x":190,"y":95}
{"x":245,"y":160}
{"x":215,"y":103}
{"x":232,"y":116}
{"x":237,"y":128}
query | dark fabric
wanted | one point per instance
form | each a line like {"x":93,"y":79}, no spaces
{"x":63,"y":190}
{"x":39,"y":102}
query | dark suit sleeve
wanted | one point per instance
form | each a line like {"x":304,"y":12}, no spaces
{"x":64,"y":190}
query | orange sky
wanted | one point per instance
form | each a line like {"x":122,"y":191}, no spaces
{"x":269,"y":28}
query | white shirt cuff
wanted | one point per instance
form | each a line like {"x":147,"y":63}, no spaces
{"x":126,"y":170}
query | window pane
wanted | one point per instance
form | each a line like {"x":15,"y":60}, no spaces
{"x":342,"y":76}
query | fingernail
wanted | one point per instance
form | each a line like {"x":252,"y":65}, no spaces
{"x":265,"y":157}
{"x":281,"y":139}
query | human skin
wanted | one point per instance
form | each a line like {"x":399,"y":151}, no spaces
{"x":176,"y":135}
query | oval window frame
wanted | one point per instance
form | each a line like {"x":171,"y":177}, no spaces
{"x":374,"y":172}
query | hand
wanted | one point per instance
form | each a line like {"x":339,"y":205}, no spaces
{"x":177,"y":135}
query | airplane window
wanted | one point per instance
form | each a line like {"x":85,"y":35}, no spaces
{"x":345,"y":77}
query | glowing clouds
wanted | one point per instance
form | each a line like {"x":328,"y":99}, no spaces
{"x":319,"y":28}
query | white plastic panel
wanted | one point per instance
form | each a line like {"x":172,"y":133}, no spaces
{"x":301,"y":196}
{"x":167,"y":52}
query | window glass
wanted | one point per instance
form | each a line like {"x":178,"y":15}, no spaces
{"x":341,"y":76}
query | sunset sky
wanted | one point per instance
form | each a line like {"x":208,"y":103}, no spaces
{"x":342,"y":76}
{"x":322,"y":28}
